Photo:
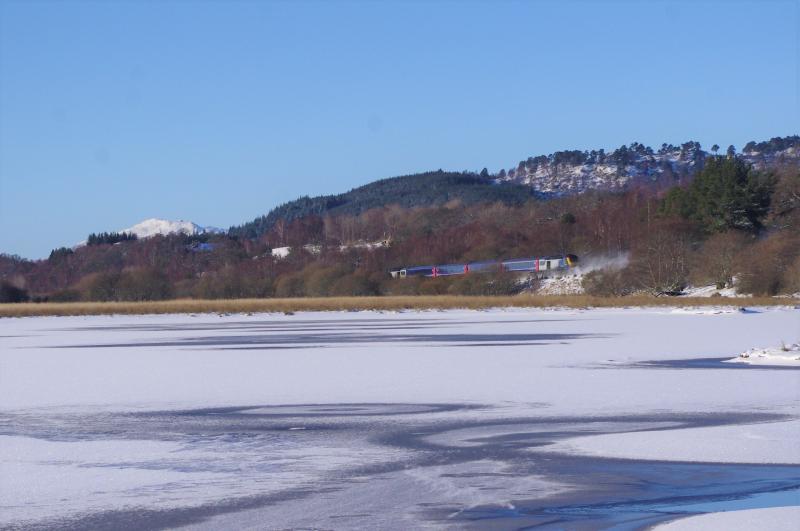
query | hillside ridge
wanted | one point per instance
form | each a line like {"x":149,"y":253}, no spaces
{"x":557,"y":174}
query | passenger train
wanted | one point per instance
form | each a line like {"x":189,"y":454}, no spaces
{"x":544,"y":266}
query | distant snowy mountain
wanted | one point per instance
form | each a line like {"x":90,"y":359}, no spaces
{"x":154,"y":226}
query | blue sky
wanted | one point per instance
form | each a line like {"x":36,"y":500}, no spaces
{"x":112,"y":112}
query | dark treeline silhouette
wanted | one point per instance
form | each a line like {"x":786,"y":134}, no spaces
{"x":110,"y":238}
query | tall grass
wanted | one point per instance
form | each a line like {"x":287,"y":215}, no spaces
{"x":438,"y":302}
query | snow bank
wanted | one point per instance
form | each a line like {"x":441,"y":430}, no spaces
{"x":772,"y":519}
{"x":784,"y":355}
{"x":707,"y":310}
{"x":567,"y":285}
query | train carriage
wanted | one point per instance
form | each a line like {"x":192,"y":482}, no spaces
{"x":543,"y":266}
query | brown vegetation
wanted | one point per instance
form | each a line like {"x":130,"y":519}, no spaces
{"x":387,"y":303}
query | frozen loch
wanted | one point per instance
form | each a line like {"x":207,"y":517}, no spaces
{"x":501,"y":419}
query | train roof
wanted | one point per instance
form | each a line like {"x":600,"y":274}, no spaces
{"x":490,"y":262}
{"x":418,"y":267}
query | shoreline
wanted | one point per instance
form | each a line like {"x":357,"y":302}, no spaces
{"x":378,"y":303}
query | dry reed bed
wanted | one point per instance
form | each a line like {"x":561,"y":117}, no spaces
{"x":369,"y":303}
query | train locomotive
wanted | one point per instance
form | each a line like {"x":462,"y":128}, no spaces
{"x":541,"y":267}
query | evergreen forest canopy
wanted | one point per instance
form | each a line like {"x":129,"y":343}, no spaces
{"x":726,"y":194}
{"x":109,"y":238}
{"x":418,"y":190}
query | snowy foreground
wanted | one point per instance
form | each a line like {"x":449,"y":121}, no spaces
{"x":570,"y":419}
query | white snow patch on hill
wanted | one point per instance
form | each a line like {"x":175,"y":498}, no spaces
{"x":281,"y":252}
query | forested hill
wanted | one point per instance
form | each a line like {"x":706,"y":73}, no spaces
{"x":560,"y":173}
{"x":422,"y":189}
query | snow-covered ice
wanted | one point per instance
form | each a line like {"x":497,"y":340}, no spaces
{"x":223,"y":421}
{"x":770,"y":442}
{"x":771,"y":519}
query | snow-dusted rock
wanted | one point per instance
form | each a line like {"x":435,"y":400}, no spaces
{"x":641,"y":165}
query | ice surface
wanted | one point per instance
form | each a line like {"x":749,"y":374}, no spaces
{"x":117,"y":413}
{"x":774,"y":443}
{"x":771,"y":519}
{"x":493,"y":357}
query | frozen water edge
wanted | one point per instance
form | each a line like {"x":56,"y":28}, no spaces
{"x":766,"y":443}
{"x":771,"y":519}
{"x":84,"y":402}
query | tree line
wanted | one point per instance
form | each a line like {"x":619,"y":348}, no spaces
{"x":110,"y":238}
{"x":730,"y":223}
